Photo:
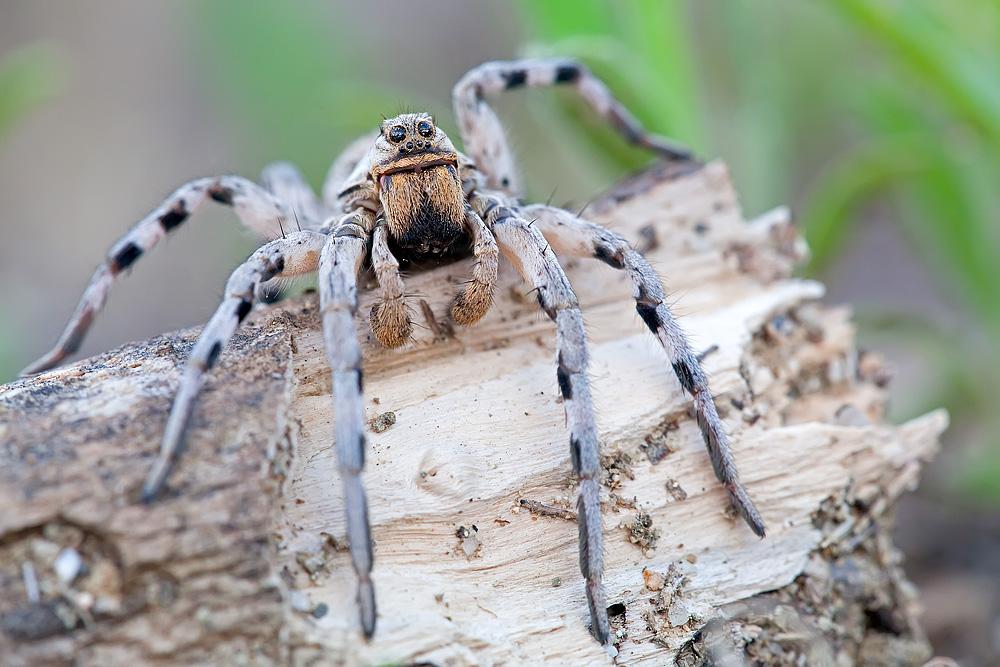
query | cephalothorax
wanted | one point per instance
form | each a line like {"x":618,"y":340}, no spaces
{"x":408,"y":193}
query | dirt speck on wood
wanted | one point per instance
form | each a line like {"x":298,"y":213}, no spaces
{"x":675,"y":491}
{"x":468,"y":542}
{"x":659,"y":444}
{"x":382,"y":422}
{"x":641,"y":533}
{"x":541,"y":509}
{"x":616,"y":467}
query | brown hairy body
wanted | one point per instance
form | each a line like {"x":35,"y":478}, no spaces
{"x":424,"y":209}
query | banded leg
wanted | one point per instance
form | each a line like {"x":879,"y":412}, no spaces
{"x":294,"y":255}
{"x":345,"y":166}
{"x":476,"y":297}
{"x":390,"y":320}
{"x":340,"y":262}
{"x":572,"y":236}
{"x":258,"y":209}
{"x":484,"y":137}
{"x":286,"y":182}
{"x":528,"y":251}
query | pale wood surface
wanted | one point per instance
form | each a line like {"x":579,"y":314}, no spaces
{"x":250,"y":539}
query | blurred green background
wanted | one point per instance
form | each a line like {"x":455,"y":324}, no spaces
{"x":878,"y":121}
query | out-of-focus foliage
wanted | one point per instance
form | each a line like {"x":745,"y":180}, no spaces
{"x":295,"y":90}
{"x":28,"y":77}
{"x":840,"y":108}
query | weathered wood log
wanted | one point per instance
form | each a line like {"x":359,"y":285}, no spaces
{"x":470,"y":486}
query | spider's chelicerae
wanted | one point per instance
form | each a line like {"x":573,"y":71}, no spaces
{"x":407,"y":193}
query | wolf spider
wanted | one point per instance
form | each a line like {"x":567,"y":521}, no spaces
{"x":407,"y":193}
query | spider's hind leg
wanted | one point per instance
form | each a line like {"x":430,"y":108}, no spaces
{"x":483,"y":135}
{"x":572,"y":236}
{"x":286,"y":182}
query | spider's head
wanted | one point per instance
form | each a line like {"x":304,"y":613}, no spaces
{"x":415,"y":169}
{"x":411,"y":142}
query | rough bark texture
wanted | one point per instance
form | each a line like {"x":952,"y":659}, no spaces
{"x":469,"y":479}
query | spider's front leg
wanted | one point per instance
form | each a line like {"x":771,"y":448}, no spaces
{"x":296,"y":254}
{"x":476,"y":297}
{"x":571,"y":236}
{"x":526,"y":248}
{"x":484,"y":137}
{"x":257,"y":208}
{"x":389,"y":317}
{"x":340,"y":263}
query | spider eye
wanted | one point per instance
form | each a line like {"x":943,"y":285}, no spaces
{"x":397,"y":134}
{"x":425,"y":128}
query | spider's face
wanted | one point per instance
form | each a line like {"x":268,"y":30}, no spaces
{"x":415,"y":170}
{"x":411,"y":142}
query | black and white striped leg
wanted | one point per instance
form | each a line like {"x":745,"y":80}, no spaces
{"x":526,"y":248}
{"x":294,"y":255}
{"x":572,"y":236}
{"x":484,"y":137}
{"x":286,"y":182}
{"x":340,"y":262}
{"x":257,"y":208}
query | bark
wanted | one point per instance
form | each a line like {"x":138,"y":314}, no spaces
{"x":469,"y":479}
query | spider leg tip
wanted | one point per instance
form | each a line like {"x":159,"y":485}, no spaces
{"x":756,"y":524}
{"x":601,"y":634}
{"x":150,"y":490}
{"x":36,"y":368}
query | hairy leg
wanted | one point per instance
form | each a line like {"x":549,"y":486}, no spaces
{"x":528,"y":251}
{"x":340,"y":262}
{"x":476,"y":297}
{"x":296,"y":254}
{"x":484,"y":137}
{"x":572,"y":236}
{"x":344,"y":168}
{"x":390,"y":320}
{"x":286,"y":182}
{"x":257,"y":208}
